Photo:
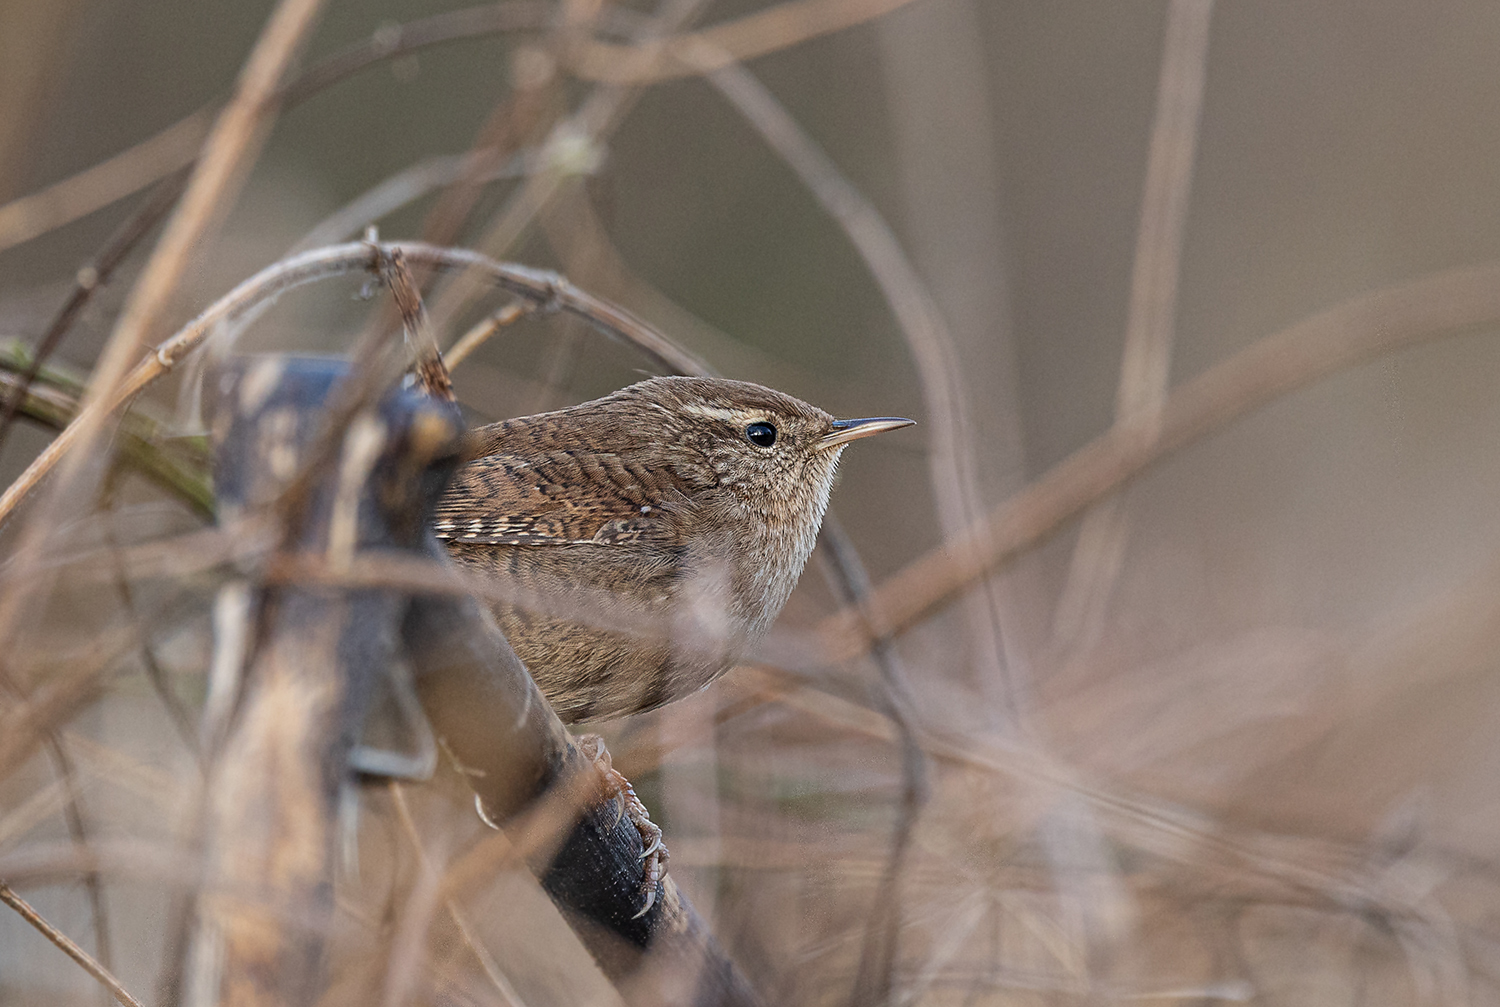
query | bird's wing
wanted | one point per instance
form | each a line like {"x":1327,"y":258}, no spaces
{"x":560,"y":498}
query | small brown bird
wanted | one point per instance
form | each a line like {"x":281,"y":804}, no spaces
{"x":650,"y":536}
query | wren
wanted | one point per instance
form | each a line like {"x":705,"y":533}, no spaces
{"x":651,"y":536}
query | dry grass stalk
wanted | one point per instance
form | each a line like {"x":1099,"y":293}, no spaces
{"x":775,"y":28}
{"x":229,"y":152}
{"x":1150,"y":328}
{"x":68,"y":946}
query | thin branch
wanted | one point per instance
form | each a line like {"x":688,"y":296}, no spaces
{"x":930,"y":343}
{"x":875,"y":978}
{"x":548,"y":291}
{"x":432,"y":373}
{"x":177,"y":711}
{"x":109,"y":181}
{"x":1150,"y":326}
{"x":393,"y":41}
{"x":68,"y":946}
{"x":1340,"y":337}
{"x":460,"y":919}
{"x":732,"y":42}
{"x":906,"y":296}
{"x":484,"y":330}
{"x":1151,"y":323}
{"x":91,"y":279}
{"x":400,"y":189}
{"x":93,"y":883}
{"x":180,"y":471}
{"x":531,"y":836}
{"x":403,"y":955}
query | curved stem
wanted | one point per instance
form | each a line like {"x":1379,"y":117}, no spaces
{"x":549,"y":291}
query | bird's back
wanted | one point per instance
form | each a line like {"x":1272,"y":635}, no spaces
{"x":593,"y":546}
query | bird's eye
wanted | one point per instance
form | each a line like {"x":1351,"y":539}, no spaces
{"x":762,"y":435}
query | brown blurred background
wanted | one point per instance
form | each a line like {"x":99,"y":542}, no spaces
{"x":1261,"y":763}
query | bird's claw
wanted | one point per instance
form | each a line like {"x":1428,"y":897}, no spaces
{"x":653,"y":863}
{"x":654,"y":853}
{"x":655,"y":845}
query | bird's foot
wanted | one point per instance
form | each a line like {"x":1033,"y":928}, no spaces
{"x":618,"y":789}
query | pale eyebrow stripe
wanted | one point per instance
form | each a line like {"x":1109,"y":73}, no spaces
{"x":715,"y":413}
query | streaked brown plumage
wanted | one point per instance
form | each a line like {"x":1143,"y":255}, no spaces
{"x":663,"y":527}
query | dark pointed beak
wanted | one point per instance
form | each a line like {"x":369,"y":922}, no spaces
{"x":845,"y":431}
